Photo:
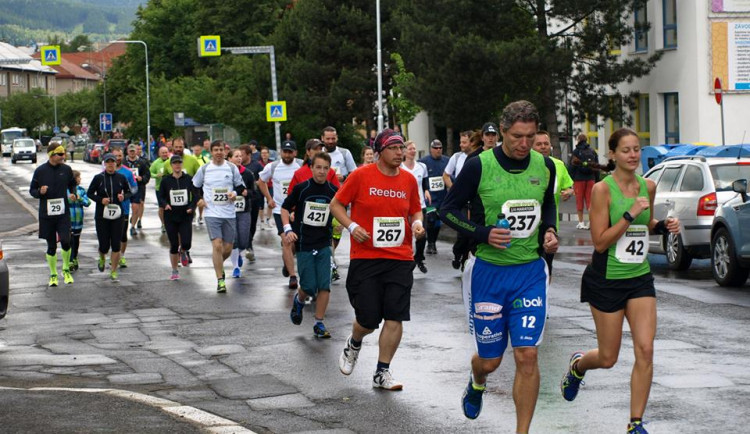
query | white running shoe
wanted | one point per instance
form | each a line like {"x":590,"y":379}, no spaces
{"x":348,"y":358}
{"x":581,"y":225}
{"x":384,"y":380}
{"x":587,"y":225}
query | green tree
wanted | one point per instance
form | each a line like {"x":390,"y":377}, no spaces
{"x":405,"y":110}
{"x":27,"y":110}
{"x":73,"y":106}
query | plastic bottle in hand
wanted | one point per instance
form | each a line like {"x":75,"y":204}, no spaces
{"x":503,"y":223}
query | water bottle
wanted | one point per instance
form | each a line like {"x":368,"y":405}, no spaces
{"x":503,"y":223}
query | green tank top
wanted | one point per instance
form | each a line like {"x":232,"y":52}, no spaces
{"x":519,"y":196}
{"x":628,"y":257}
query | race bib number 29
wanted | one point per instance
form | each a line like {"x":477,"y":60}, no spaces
{"x":388,"y":231}
{"x":55,"y":207}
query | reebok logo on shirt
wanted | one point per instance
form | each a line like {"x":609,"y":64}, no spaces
{"x":387,"y":193}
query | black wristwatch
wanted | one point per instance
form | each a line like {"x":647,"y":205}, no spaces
{"x":626,"y":215}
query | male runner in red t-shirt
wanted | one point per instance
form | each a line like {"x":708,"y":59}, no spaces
{"x":385,"y":210}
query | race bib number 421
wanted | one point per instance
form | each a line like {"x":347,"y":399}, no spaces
{"x":388,"y":231}
{"x":523,"y":215}
{"x":316,"y":214}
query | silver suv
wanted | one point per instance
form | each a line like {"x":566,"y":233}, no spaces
{"x":730,"y":249}
{"x":692,"y":189}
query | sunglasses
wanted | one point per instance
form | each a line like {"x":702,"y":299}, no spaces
{"x":60,"y":154}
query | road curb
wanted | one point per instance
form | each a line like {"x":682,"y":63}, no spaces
{"x":21,"y":201}
{"x":204,"y":419}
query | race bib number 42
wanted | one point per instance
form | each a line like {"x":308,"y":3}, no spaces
{"x":632,"y":247}
{"x":239,"y":204}
{"x":524,"y":217}
{"x":316,"y":214}
{"x":55,"y":207}
{"x":221,"y":196}
{"x":388,"y":231}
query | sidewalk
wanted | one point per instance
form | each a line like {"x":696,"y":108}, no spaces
{"x":17,"y":216}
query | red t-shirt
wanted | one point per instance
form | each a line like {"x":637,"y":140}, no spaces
{"x":385,"y":201}
{"x":305,"y":172}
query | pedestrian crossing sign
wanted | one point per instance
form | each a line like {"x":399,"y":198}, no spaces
{"x":209,"y":46}
{"x":276,"y":111}
{"x":50,"y":55}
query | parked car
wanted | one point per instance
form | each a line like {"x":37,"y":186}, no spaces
{"x":60,"y":139}
{"x":116,"y":143}
{"x":692,"y":189}
{"x":4,"y":284}
{"x":93,"y":153}
{"x":23,"y":149}
{"x":730,"y":246}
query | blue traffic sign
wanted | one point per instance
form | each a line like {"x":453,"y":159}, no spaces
{"x":105,"y":122}
{"x":56,"y":130}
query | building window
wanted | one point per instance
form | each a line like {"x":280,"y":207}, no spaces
{"x":641,"y":116}
{"x":671,"y":118}
{"x":15,"y":79}
{"x":669,"y":10}
{"x":641,"y":29}
{"x":3,"y":79}
{"x":592,"y":132}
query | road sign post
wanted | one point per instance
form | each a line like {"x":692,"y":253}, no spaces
{"x":720,"y":100}
{"x":50,"y":55}
{"x":209,"y":46}
{"x":105,"y":122}
{"x":276,"y":111}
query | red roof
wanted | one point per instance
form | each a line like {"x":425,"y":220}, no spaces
{"x":69,"y":69}
{"x":72,"y":63}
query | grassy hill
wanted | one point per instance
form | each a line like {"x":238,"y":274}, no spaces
{"x":25,"y":21}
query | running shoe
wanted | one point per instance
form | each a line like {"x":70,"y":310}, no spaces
{"x":239,"y":261}
{"x":581,"y":225}
{"x":335,"y":275}
{"x":132,"y":231}
{"x":636,"y":428}
{"x":296,"y":314}
{"x":200,"y":221}
{"x":431,"y":249}
{"x":250,"y":255}
{"x":471,"y":402}
{"x":139,"y":225}
{"x":67,"y":277}
{"x":53,"y":280}
{"x":184,"y":259}
{"x":571,"y":381}
{"x":293,"y":282}
{"x":284,"y":271}
{"x":221,"y":287}
{"x":100,"y":264}
{"x":383,"y":379}
{"x":237,"y":273}
{"x":348,"y":358}
{"x":456,"y":263}
{"x":163,"y":229}
{"x":123,"y":262}
{"x":175,"y":275}
{"x":74,"y":264}
{"x":190,"y":259}
{"x":421,"y":267}
{"x":320,"y":331}
{"x":113,"y":276}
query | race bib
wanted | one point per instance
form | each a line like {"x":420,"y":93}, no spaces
{"x":436,"y":183}
{"x":112,"y":212}
{"x":285,"y":187}
{"x":239,"y":204}
{"x":388,"y":231}
{"x":55,"y":207}
{"x":135,"y":172}
{"x":221,"y":196}
{"x":523,"y":215}
{"x":178,"y":197}
{"x":632,"y":247}
{"x":337,"y":169}
{"x":316,"y":214}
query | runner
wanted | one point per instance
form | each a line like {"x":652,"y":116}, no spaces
{"x":128,"y":174}
{"x":312,"y":148}
{"x":385,"y":210}
{"x":221,"y":183}
{"x":157,"y":172}
{"x":419,"y":170}
{"x":243,"y":216}
{"x":457,"y":160}
{"x":505,"y":286}
{"x":178,"y":197}
{"x":311,"y":234}
{"x":140,"y":168}
{"x":436,"y":163}
{"x":280,"y":172}
{"x":563,"y":181}
{"x":618,"y":283}
{"x":368,"y":156}
{"x":109,"y":190}
{"x":266,"y":211}
{"x":76,"y":219}
{"x":52,"y":183}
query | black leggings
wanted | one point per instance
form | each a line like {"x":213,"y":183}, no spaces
{"x":179,"y":233}
{"x":109,"y":233}
{"x":75,"y":241}
{"x":254,"y":211}
{"x":51,"y":229}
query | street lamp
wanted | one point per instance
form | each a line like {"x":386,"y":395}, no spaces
{"x":103,"y":73}
{"x":148,"y":100}
{"x":380,"y":69}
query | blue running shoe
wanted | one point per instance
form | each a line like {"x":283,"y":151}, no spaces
{"x":236,"y":273}
{"x":296,"y":313}
{"x":320,"y":331}
{"x":636,"y":428}
{"x":471,"y":402}
{"x":571,"y":381}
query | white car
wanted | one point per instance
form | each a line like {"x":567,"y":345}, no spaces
{"x":23,"y":149}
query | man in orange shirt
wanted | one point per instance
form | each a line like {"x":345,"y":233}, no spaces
{"x":385,"y":211}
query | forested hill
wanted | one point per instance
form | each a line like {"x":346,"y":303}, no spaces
{"x":25,"y":21}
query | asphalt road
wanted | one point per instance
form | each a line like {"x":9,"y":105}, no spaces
{"x":237,"y":356}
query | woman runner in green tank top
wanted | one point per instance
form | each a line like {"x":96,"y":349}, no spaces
{"x":618,"y":283}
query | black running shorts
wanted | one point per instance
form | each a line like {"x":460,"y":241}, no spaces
{"x":380,"y":289}
{"x":611,"y":295}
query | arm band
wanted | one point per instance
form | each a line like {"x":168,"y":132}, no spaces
{"x":287,"y":228}
{"x":416,"y":223}
{"x":352,"y":227}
